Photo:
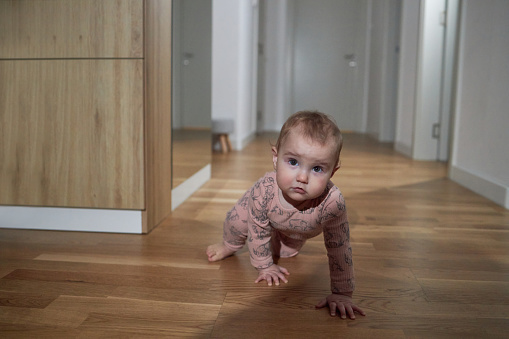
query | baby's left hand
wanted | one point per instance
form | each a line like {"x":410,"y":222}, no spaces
{"x":271,"y":274}
{"x":343,"y":303}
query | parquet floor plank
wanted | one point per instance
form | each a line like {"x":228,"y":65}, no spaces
{"x":31,"y":317}
{"x":154,"y":317}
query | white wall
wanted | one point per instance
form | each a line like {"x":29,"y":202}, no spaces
{"x":363,"y":50}
{"x":409,"y":38}
{"x":448,"y":78}
{"x":480,"y":154}
{"x":278,"y":61}
{"x":429,"y":79}
{"x":234,"y":39}
{"x":421,"y":70}
{"x":381,"y":112}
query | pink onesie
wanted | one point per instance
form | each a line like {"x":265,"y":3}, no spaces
{"x":259,"y":217}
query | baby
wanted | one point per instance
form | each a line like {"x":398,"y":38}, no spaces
{"x":294,"y":203}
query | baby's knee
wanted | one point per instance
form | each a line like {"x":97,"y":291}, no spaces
{"x":288,"y":253}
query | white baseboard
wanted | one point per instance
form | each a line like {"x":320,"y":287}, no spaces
{"x":483,"y":186}
{"x":91,"y":219}
{"x":71,"y":219}
{"x":183,"y":191}
{"x":248,"y":139}
{"x":239,"y":146}
{"x":403,"y":149}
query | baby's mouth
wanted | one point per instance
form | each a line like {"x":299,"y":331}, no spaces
{"x":299,"y":190}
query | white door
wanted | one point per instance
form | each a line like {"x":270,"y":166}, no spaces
{"x":326,"y":60}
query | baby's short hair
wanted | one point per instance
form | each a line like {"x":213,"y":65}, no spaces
{"x":314,"y":125}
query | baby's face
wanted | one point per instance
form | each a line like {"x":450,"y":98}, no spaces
{"x":303,"y":168}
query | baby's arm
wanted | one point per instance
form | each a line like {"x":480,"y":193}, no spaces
{"x":261,"y":255}
{"x":260,"y":233}
{"x":336,"y":234}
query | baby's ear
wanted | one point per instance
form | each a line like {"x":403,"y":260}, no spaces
{"x":335,"y":169}
{"x":274,"y":157}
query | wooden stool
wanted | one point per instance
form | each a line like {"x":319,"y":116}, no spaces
{"x":222,"y":128}
{"x":226,"y":145}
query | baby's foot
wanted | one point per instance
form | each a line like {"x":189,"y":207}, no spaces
{"x":218,"y":252}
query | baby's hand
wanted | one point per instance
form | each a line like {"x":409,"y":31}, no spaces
{"x":271,"y":274}
{"x":343,"y":303}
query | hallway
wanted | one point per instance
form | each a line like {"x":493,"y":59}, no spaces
{"x":431,"y":261}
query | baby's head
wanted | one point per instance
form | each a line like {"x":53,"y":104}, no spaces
{"x":315,"y":126}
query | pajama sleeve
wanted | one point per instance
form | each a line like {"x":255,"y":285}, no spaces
{"x":336,"y":233}
{"x":259,"y":228}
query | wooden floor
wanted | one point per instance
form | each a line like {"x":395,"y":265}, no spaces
{"x":431,"y":260}
{"x":190,"y":153}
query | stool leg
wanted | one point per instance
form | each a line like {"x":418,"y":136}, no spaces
{"x":222,"y":139}
{"x":230,"y":148}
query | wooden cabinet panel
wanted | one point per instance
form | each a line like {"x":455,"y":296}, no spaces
{"x":71,"y":133}
{"x":157,"y":111}
{"x":71,"y":29}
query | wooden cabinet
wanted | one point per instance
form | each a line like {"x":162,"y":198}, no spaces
{"x":71,"y":29}
{"x":72,"y":133}
{"x":85,"y":97}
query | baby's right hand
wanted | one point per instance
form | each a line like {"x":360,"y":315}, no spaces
{"x":271,"y":274}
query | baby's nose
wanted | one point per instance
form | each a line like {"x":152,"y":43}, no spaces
{"x":302,"y":177}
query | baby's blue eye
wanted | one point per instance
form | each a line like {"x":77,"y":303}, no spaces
{"x":317,"y":169}
{"x":293,"y":162}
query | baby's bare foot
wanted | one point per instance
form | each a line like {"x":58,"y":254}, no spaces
{"x":218,"y":252}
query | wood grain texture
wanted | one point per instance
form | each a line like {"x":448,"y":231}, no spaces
{"x":431,"y":261}
{"x":157,"y":112}
{"x":71,"y":133}
{"x":71,"y":29}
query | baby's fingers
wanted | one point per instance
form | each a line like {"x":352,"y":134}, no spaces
{"x":275,"y":277}
{"x":357,"y":309}
{"x":266,"y":277}
{"x":349,"y":312}
{"x":284,"y":270}
{"x":282,"y":277}
{"x":260,"y":278}
{"x":322,"y":303}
